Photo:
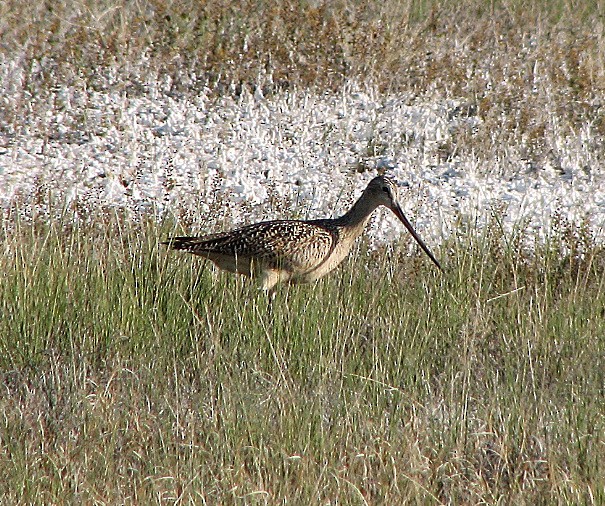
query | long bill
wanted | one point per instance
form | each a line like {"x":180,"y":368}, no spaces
{"x":399,"y":213}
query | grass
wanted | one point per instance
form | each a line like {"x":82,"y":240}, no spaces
{"x":133,"y":375}
{"x":533,"y":74}
{"x":130,"y":374}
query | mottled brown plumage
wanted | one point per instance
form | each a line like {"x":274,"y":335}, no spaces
{"x":294,"y":250}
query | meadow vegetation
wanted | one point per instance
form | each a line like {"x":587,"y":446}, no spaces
{"x":132,"y":374}
{"x":533,"y":71}
{"x":129,"y":374}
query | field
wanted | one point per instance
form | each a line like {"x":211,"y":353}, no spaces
{"x":134,"y":375}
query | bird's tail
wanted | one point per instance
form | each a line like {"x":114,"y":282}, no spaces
{"x":179,"y":243}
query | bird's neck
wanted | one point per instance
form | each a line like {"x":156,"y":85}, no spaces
{"x":355,"y":219}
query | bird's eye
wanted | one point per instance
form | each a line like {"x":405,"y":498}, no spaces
{"x":385,"y":189}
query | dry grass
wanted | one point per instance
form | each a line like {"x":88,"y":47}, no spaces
{"x":533,"y":75}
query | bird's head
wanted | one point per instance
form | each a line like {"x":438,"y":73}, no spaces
{"x":384,"y":192}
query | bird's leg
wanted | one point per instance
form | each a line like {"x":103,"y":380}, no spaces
{"x":270,"y":297}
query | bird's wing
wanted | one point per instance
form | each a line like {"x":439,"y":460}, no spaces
{"x":287,"y":244}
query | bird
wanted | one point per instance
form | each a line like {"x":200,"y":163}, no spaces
{"x":296,"y":251}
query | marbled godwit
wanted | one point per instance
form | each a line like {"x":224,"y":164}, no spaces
{"x":296,"y":251}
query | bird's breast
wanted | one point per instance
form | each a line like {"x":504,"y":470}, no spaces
{"x":326,"y":263}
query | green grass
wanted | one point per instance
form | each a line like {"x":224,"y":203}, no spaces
{"x":133,"y":374}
